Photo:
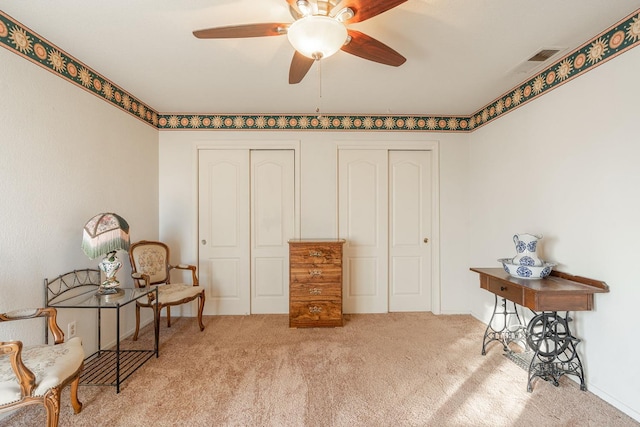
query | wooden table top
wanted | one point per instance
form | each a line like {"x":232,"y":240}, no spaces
{"x":556,"y":292}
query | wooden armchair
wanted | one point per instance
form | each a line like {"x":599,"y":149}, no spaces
{"x":37,"y":374}
{"x":150,"y":266}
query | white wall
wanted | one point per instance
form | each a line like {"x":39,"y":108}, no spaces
{"x":65,"y":155}
{"x":566,"y":166}
{"x":318,"y":195}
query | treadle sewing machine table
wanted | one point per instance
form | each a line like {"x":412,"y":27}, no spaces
{"x":547,"y":334}
{"x":107,"y":366}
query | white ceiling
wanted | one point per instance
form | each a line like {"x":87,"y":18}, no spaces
{"x":460,"y":53}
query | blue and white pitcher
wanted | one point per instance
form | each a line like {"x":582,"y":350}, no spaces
{"x":527,"y":248}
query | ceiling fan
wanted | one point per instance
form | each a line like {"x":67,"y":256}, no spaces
{"x":318,"y":31}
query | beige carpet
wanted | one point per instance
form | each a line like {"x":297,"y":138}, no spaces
{"x":399,"y":369}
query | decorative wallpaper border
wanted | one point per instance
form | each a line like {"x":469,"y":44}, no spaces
{"x":28,"y":44}
{"x":607,"y":45}
{"x":313,"y":122}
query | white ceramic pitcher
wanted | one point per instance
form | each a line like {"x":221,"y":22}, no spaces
{"x":527,"y":249}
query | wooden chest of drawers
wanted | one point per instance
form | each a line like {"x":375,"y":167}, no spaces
{"x":315,"y":283}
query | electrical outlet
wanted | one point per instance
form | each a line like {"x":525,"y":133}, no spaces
{"x":71,"y":329}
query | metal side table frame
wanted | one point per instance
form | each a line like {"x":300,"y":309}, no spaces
{"x":77,"y":290}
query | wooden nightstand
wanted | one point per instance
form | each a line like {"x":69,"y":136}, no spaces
{"x":315,"y":283}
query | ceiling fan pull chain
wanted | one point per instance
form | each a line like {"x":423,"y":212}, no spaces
{"x":318,"y":110}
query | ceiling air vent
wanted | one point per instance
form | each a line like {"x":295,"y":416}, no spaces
{"x":543,"y":55}
{"x":535,"y":62}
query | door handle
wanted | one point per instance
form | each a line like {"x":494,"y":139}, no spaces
{"x":204,"y":242}
{"x":426,"y":240}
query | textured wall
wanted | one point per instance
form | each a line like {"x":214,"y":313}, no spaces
{"x":566,"y":166}
{"x":65,"y":156}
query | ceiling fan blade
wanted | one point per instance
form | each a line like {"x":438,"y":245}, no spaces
{"x":366,"y":9}
{"x":369,"y":48}
{"x":300,"y":64}
{"x":242,"y":31}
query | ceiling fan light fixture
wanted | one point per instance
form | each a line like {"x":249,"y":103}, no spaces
{"x":345,"y":14}
{"x":304,"y":7}
{"x":317,"y":36}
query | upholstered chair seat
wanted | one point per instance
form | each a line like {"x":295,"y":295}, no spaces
{"x":36,"y":374}
{"x":177,"y":292}
{"x":51,"y":364}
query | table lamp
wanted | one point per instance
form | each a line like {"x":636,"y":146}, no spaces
{"x":105,"y":234}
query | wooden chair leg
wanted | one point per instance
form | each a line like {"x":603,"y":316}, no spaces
{"x":168,"y":316}
{"x":52,"y":405}
{"x":156,"y":319}
{"x":135,"y":334}
{"x":75,"y":402}
{"x":200,"y":309}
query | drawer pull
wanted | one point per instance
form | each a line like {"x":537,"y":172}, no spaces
{"x":315,"y":273}
{"x":315,"y":309}
{"x":316,"y":254}
{"x":503,"y":288}
{"x":315,"y":291}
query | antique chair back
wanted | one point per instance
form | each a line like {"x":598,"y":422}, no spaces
{"x":152,"y":259}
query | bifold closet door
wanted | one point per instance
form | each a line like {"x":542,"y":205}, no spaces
{"x":385,"y":216}
{"x":272,"y":225}
{"x":363,"y":223}
{"x":246,"y":216}
{"x":410,"y":230}
{"x":224,"y":256}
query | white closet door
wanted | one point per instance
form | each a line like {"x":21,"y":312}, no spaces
{"x":246,"y":217}
{"x":409,"y":231}
{"x":363,"y":222}
{"x":272,"y":225}
{"x":385,"y":202}
{"x":224,"y":256}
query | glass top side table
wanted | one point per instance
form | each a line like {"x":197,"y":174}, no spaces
{"x":78,"y":290}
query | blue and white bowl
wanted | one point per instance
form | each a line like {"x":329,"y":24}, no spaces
{"x":527,"y":271}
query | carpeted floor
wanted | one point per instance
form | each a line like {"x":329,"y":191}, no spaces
{"x":397,"y":369}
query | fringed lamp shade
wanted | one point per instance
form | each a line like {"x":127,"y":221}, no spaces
{"x":104,"y":233}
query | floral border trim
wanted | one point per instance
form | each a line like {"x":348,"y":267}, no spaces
{"x":610,"y":43}
{"x":21,"y":40}
{"x":313,"y":122}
